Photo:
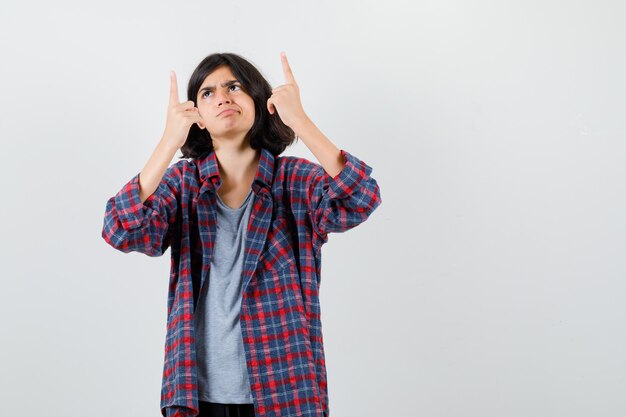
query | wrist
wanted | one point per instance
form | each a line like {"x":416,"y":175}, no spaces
{"x":303,"y":125}
{"x":167,"y":146}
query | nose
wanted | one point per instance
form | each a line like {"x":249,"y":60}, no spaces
{"x":222,"y":98}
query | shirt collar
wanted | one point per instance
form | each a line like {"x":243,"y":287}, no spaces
{"x":209,"y":170}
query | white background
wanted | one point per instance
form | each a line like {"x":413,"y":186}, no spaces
{"x":491,"y":280}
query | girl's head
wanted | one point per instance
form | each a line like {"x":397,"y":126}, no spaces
{"x":247,"y":94}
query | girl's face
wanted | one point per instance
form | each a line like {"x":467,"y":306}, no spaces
{"x":225,"y":108}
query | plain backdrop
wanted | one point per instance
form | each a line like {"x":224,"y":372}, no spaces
{"x":491,"y":280}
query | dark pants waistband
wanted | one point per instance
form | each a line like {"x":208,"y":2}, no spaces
{"x":209,"y":409}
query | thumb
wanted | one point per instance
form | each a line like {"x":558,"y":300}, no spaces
{"x":200,"y":122}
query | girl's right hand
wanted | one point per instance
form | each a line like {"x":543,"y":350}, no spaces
{"x":180,"y":117}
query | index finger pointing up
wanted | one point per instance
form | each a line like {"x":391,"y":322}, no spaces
{"x":287,"y":69}
{"x":173,"y":88}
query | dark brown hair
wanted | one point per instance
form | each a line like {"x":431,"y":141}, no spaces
{"x":268,"y":131}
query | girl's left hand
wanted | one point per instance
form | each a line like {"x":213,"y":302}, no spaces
{"x":285,"y":99}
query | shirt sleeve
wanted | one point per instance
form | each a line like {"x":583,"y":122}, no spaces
{"x":130,"y":225}
{"x":337,"y":204}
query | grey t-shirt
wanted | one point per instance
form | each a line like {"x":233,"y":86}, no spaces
{"x":222,"y":371}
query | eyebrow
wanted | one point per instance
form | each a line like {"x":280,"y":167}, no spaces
{"x":211,"y":87}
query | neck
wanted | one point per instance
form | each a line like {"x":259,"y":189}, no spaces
{"x":237,"y":164}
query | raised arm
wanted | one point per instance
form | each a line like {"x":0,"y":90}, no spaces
{"x":339,"y":193}
{"x":141,"y":215}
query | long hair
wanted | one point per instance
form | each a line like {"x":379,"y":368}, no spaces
{"x":268,"y":131}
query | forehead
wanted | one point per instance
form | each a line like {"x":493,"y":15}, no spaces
{"x":218,"y":76}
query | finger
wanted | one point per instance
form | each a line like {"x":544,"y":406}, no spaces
{"x":173,"y":88}
{"x":195,"y":119}
{"x":270,"y":106}
{"x":186,"y":105}
{"x":287,"y":69}
{"x":200,"y":122}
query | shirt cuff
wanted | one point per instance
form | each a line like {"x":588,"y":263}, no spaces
{"x":130,"y":209}
{"x":347,"y":181}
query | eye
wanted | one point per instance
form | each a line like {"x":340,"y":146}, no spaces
{"x":238,"y":87}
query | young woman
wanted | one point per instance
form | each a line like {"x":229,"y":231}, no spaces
{"x":245,"y":227}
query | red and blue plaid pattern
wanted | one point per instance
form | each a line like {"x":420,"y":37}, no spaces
{"x":296,"y":205}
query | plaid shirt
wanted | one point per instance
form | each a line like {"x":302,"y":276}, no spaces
{"x":296,"y":205}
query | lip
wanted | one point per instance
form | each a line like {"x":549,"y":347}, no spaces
{"x":226,"y":112}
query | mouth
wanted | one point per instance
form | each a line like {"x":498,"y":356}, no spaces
{"x":226,"y":112}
